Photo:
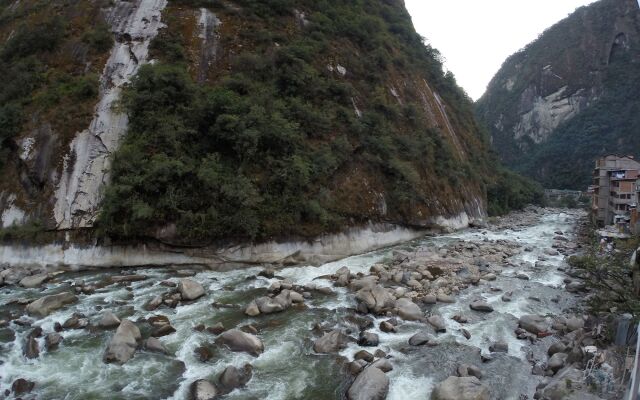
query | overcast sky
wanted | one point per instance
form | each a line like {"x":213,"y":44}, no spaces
{"x":475,"y":37}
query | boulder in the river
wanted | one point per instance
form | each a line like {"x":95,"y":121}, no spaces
{"x":438,"y":323}
{"x":370,"y":384}
{"x":445,"y":298}
{"x":123,"y":343}
{"x":376,"y":299}
{"x":369,"y":339}
{"x":408,"y":310}
{"x":469,"y":370}
{"x":108,"y":320}
{"x":21,"y":386}
{"x":239,"y":341}
{"x":387,"y":327}
{"x":31,"y":348}
{"x":76,"y":321}
{"x":252,"y":309}
{"x":154,"y":345}
{"x":202,"y":389}
{"x":34,"y":281}
{"x":153,"y":303}
{"x":480,"y":305}
{"x":52,"y":341}
{"x":557,"y":347}
{"x":48,"y":304}
{"x":460,"y":388}
{"x":233,"y":378}
{"x":557,"y":361}
{"x":383,"y":364}
{"x":268,"y":305}
{"x":533,"y":323}
{"x":190,"y":289}
{"x":422,"y":338}
{"x":573,"y":324}
{"x":331,"y":342}
{"x":499,"y":347}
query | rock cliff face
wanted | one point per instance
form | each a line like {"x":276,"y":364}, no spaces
{"x":545,"y":107}
{"x":56,"y":175}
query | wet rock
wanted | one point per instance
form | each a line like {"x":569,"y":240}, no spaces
{"x":370,"y":384}
{"x":445,"y":298}
{"x":127,"y":278}
{"x":268,"y":273}
{"x":47,"y":304}
{"x":383,"y":365}
{"x":153,"y":303}
{"x":574,"y":324}
{"x":203,"y":353}
{"x":22,"y":386}
{"x":522,"y":276}
{"x":202,"y":389}
{"x":429,"y":299}
{"x":331,"y":342}
{"x":239,"y":341}
{"x":408,"y":310}
{"x":31,"y":349}
{"x":52,"y":341}
{"x":162,"y":330}
{"x":460,"y":319}
{"x":363,"y":355}
{"x":355,"y":367}
{"x":376,"y":299}
{"x":77,"y":321}
{"x":464,"y":370}
{"x":437,"y":322}
{"x":268,"y":305}
{"x":216,"y":329}
{"x":154,"y":345}
{"x":252,"y":309}
{"x":480,"y":305}
{"x":368,"y":339}
{"x":296,"y":297}
{"x":499,"y":347}
{"x":123,"y":343}
{"x":233,"y":378}
{"x":460,"y":388}
{"x":34,"y":281}
{"x":387,"y":327}
{"x":422,"y":338}
{"x":507,"y":297}
{"x":108,"y":320}
{"x":190,"y":289}
{"x":533,"y":323}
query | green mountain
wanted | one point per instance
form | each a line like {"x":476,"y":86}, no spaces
{"x":192,"y":121}
{"x":570,"y":96}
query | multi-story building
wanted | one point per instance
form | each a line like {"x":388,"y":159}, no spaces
{"x":614,"y":190}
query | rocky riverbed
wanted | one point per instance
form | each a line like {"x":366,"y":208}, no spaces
{"x":485,"y":313}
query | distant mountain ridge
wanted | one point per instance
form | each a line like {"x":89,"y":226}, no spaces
{"x":570,"y":96}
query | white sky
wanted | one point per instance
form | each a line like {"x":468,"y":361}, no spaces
{"x":476,"y":36}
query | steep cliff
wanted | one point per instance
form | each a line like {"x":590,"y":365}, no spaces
{"x":569,"y":96}
{"x":256,"y":120}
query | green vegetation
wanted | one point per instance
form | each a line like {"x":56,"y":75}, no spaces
{"x":511,"y":191}
{"x":262,"y":151}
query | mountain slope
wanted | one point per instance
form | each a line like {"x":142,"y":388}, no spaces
{"x":256,"y":120}
{"x":570,"y":96}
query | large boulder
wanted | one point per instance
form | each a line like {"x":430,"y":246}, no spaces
{"x":331,"y":342}
{"x":48,"y":304}
{"x":408,"y":310}
{"x":190,"y":289}
{"x":533,"y":323}
{"x":480,"y":305}
{"x":371,"y":384}
{"x":34,"y":281}
{"x":438,"y":323}
{"x":108,"y":320}
{"x":123,"y":343}
{"x":239,"y":341}
{"x":376,"y":299}
{"x":268,"y":305}
{"x":233,"y":378}
{"x":460,"y":388}
{"x":202,"y":389}
{"x":422,"y":338}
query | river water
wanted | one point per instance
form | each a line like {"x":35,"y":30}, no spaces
{"x":288,"y":369}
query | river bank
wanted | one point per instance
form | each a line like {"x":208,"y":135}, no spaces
{"x":489,"y":310}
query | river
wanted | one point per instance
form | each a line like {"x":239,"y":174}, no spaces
{"x":288,"y":368}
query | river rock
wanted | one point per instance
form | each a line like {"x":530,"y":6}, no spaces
{"x":154,"y":345}
{"x":123,"y":343}
{"x":557,"y":361}
{"x":371,"y":384}
{"x":34,"y":281}
{"x":153,"y":303}
{"x":202,"y":389}
{"x":469,"y":370}
{"x":557,"y":347}
{"x":430,"y":299}
{"x":422,"y":338}
{"x":507,"y":297}
{"x":363,"y":355}
{"x":31,"y":349}
{"x":331,"y":342}
{"x":408,"y":310}
{"x":268,"y":305}
{"x":108,"y":320}
{"x":48,"y":304}
{"x":239,"y":341}
{"x":387,"y":327}
{"x":190,"y":289}
{"x":573,"y":324}
{"x":438,"y":323}
{"x":162,"y":330}
{"x":445,"y":298}
{"x":460,"y":388}
{"x":369,"y":339}
{"x":355,"y":367}
{"x":21,"y":386}
{"x":376,"y":299}
{"x":52,"y":341}
{"x":533,"y":323}
{"x":499,"y":347}
{"x":383,"y":365}
{"x":233,"y":378}
{"x":77,"y":321}
{"x":480,"y":305}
